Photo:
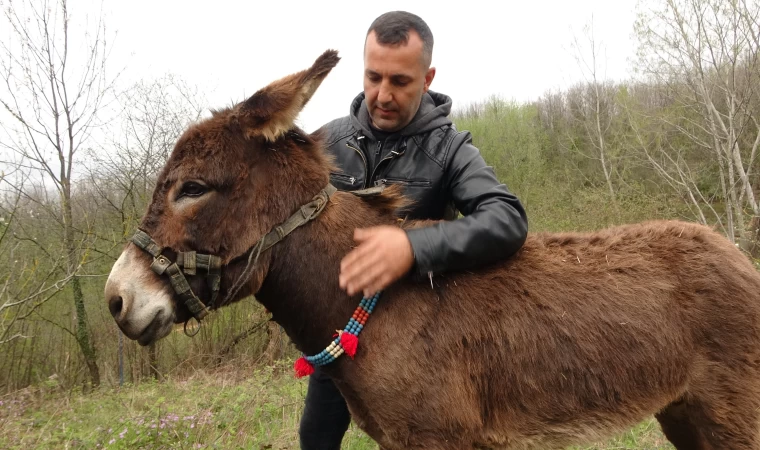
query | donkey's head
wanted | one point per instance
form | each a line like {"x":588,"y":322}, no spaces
{"x":229,"y":180}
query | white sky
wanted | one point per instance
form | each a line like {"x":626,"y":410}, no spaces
{"x":229,"y":49}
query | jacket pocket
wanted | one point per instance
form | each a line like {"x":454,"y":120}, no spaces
{"x":342,"y":180}
{"x":410,"y":183}
{"x":343,"y":177}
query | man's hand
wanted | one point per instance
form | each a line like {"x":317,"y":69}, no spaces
{"x":383,"y":256}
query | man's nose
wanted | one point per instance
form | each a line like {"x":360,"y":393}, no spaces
{"x":385,"y":95}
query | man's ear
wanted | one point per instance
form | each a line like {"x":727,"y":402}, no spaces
{"x":272,"y":111}
{"x":429,"y":78}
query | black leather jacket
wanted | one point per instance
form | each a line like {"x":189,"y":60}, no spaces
{"x":442,"y":172}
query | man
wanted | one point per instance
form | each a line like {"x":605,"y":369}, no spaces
{"x":398,"y":132}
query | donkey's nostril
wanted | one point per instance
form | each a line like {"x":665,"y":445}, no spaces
{"x":114,"y":305}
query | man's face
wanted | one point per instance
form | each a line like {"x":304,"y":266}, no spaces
{"x":394,"y":81}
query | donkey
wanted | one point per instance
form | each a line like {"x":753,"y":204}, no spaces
{"x":576,"y":337}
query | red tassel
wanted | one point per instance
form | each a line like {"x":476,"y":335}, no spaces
{"x":349,"y":342}
{"x":303,"y":368}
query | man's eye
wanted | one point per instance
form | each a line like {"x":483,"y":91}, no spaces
{"x":192,"y":189}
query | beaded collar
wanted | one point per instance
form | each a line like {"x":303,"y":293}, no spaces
{"x":345,"y":341}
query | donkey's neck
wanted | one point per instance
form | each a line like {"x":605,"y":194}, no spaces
{"x":301,"y":288}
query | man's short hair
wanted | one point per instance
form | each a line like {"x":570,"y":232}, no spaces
{"x":392,"y":28}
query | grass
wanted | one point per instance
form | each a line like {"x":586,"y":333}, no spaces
{"x":259,"y":409}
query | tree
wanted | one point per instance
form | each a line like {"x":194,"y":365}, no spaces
{"x":154,"y":115}
{"x":56,"y":89}
{"x":121,"y":180}
{"x":23,"y":287}
{"x":593,"y":104}
{"x":704,"y":53}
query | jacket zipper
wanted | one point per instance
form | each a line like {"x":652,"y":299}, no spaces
{"x":364,"y":160}
{"x":393,"y":154}
{"x":379,"y":149}
{"x":402,"y":182}
{"x":344,"y":177}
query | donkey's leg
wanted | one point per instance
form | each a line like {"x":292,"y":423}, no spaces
{"x":723,"y":415}
{"x":728,"y":423}
{"x":729,"y":400}
{"x":676,"y":423}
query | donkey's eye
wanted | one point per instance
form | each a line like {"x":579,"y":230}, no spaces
{"x":192,"y":189}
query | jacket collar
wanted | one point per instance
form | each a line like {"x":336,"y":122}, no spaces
{"x":433,"y":113}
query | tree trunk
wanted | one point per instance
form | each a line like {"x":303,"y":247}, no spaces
{"x":83,"y":334}
{"x":750,"y":241}
{"x":602,"y":146}
{"x":153,"y":362}
{"x":274,"y":347}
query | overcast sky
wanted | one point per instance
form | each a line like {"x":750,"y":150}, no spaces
{"x":229,"y":49}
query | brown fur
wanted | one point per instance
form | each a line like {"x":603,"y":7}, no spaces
{"x":578,"y":336}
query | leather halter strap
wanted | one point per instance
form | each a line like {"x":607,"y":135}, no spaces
{"x":191,"y":262}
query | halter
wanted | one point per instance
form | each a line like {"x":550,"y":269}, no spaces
{"x":191,"y":262}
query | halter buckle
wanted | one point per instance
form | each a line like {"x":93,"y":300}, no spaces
{"x":160,"y":264}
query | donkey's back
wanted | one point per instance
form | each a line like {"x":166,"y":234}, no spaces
{"x":577,"y":336}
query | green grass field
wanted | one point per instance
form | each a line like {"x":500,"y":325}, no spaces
{"x":221,"y":410}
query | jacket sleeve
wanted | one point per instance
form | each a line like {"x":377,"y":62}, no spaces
{"x":494,"y":225}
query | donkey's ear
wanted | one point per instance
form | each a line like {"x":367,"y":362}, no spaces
{"x":272,"y":111}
